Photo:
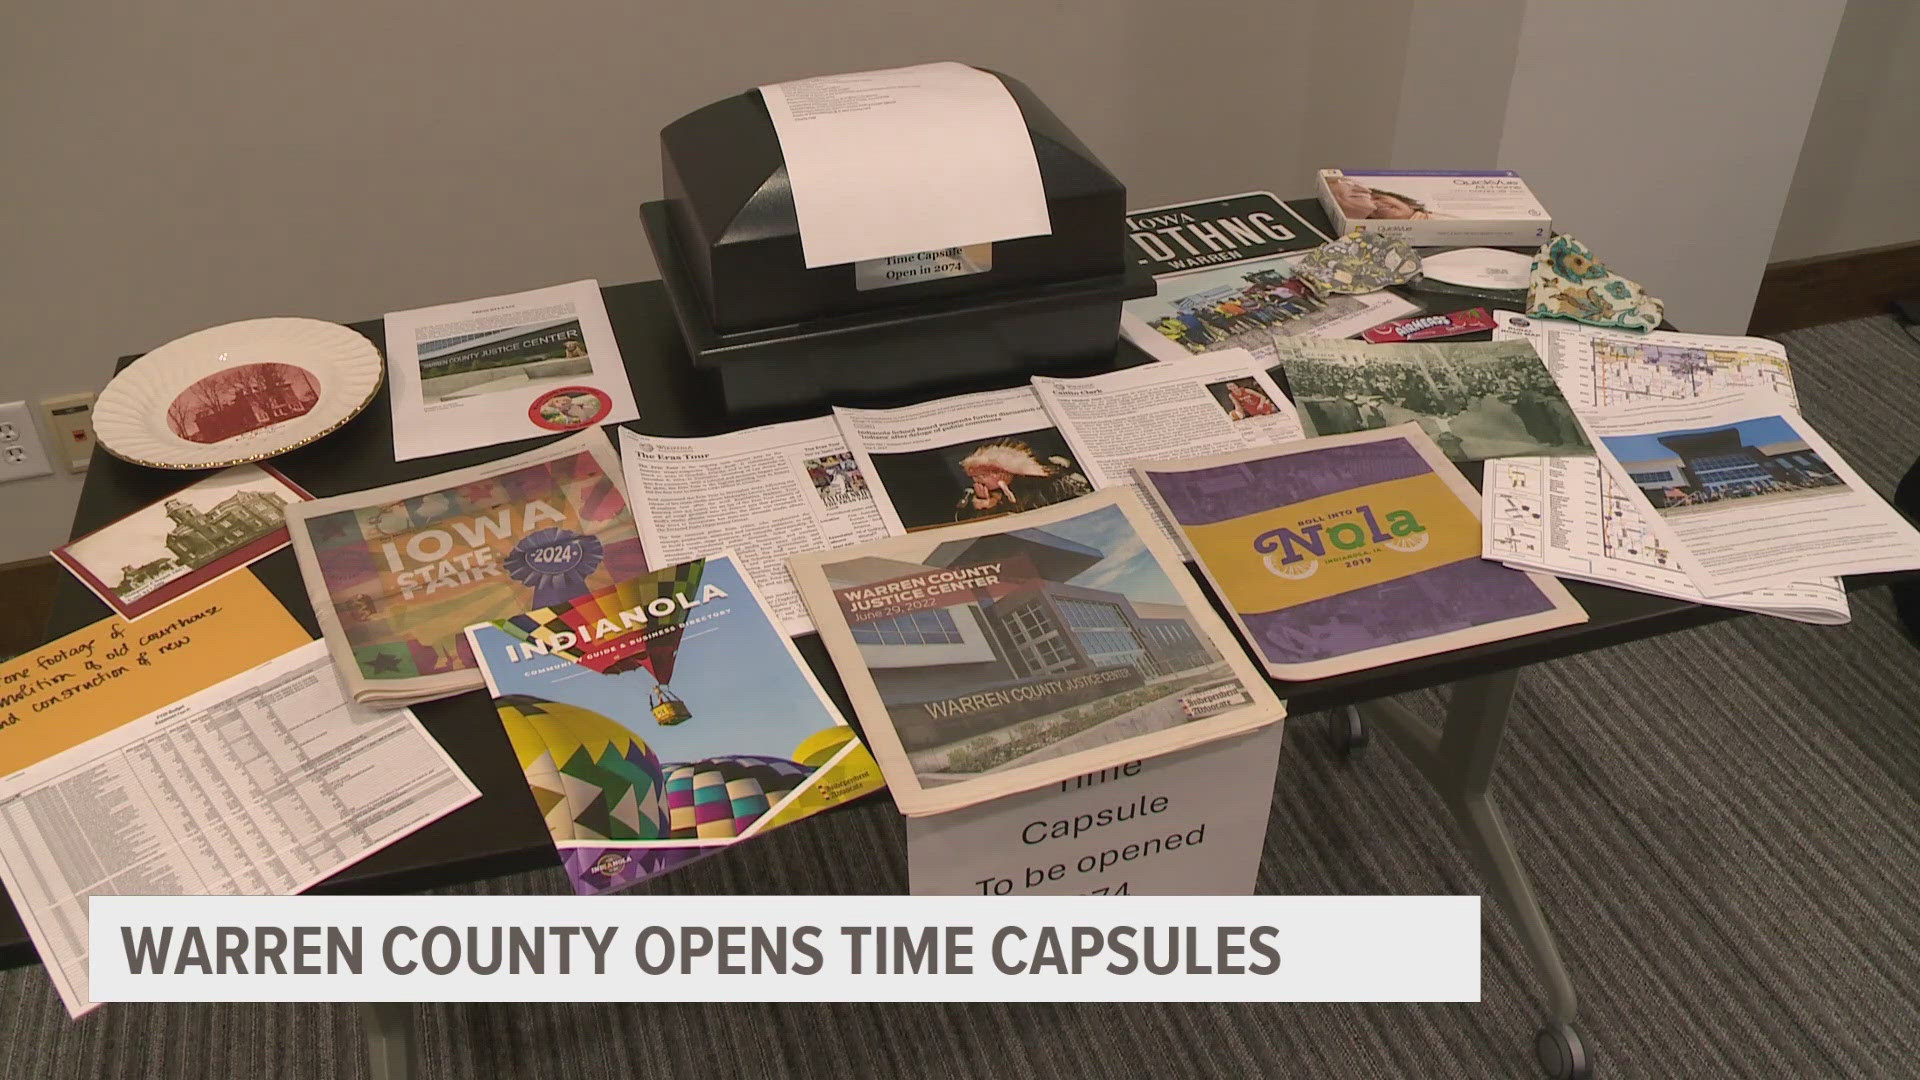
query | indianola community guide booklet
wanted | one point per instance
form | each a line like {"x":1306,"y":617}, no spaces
{"x":664,"y":718}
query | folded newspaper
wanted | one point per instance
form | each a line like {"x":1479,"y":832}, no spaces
{"x":1572,"y":517}
{"x":1349,"y":551}
{"x":396,"y":574}
{"x":832,"y":481}
{"x":1001,"y":656}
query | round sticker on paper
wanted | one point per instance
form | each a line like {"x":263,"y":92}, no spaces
{"x":569,"y":407}
{"x":555,"y":563}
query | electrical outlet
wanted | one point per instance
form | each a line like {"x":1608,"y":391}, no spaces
{"x":69,"y":423}
{"x":21,"y":454}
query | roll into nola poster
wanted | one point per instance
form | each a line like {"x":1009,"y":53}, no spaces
{"x":1351,"y":551}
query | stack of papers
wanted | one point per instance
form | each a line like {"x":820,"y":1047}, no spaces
{"x":209,"y":749}
{"x":1706,"y":485}
{"x":862,"y":474}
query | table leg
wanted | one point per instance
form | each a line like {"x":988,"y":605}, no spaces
{"x":1458,"y":759}
{"x":392,"y":1049}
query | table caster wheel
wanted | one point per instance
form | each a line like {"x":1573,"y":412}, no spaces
{"x":1349,"y":731}
{"x":1562,"y":1055}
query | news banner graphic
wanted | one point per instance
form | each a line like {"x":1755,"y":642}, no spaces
{"x":785,"y":948}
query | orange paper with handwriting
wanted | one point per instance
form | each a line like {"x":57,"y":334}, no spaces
{"x":70,"y":690}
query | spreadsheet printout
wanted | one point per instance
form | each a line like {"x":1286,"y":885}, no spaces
{"x":267,"y":783}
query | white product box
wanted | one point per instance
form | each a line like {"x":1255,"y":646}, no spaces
{"x":1436,"y":208}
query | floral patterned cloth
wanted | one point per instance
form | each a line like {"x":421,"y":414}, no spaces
{"x":1359,"y":262}
{"x":1569,"y":283}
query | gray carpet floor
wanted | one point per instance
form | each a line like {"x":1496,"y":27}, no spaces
{"x":1722,"y":824}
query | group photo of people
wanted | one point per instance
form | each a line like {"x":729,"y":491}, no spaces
{"x":1478,"y":400}
{"x":1212,"y":319}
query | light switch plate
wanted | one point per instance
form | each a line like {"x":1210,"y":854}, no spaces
{"x":69,"y":423}
{"x":21,"y":455}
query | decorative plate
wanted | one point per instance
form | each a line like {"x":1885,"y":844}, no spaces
{"x":237,"y":393}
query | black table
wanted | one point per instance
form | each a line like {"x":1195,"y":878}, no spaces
{"x":502,"y":832}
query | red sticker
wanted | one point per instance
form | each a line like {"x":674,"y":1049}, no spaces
{"x":1421,"y":327}
{"x":569,"y":407}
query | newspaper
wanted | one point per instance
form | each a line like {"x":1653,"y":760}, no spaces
{"x":1567,"y":516}
{"x":265,"y":784}
{"x":1747,"y":493}
{"x":771,"y":492}
{"x":483,"y":372}
{"x":396,"y":574}
{"x":764,"y":493}
{"x":1211,"y":404}
{"x":1350,"y":551}
{"x":1007,"y":655}
{"x":962,"y":458}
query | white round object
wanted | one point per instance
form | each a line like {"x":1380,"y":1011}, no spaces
{"x":1480,"y":268}
{"x":237,"y":393}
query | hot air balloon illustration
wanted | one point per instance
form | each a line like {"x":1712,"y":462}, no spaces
{"x":818,"y":748}
{"x":720,"y":797}
{"x":668,"y":709}
{"x":591,"y":777}
{"x":603,"y":641}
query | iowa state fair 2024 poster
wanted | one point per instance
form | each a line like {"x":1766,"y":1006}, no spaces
{"x":1350,"y":551}
{"x":664,"y":718}
{"x":397,"y":573}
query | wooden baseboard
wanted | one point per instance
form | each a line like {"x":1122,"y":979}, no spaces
{"x":28,"y":586}
{"x":1830,"y":288}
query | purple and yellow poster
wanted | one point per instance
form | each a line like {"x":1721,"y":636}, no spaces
{"x":1347,"y":552}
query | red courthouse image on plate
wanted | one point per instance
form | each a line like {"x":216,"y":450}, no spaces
{"x":241,"y":399}
{"x":569,"y":407}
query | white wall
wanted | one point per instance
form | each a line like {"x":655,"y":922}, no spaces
{"x":172,"y":166}
{"x":1664,"y":133}
{"x":1453,"y":92}
{"x":1858,"y":182}
{"x":177,"y":166}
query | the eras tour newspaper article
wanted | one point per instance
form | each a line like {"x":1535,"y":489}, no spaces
{"x":765,"y":493}
{"x":1211,"y":404}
